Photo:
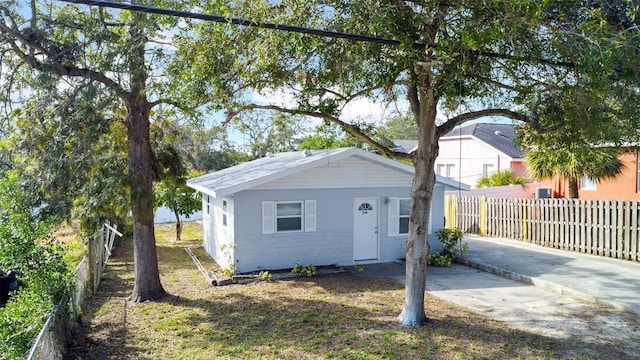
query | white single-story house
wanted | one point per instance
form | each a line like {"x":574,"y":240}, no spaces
{"x":341,"y":206}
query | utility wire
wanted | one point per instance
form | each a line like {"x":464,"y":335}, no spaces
{"x":299,"y":29}
{"x":242,"y":22}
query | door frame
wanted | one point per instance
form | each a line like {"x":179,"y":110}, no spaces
{"x":375,"y":201}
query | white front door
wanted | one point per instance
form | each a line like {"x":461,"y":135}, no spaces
{"x":365,"y":228}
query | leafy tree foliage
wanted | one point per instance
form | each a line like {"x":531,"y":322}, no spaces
{"x":171,"y":188}
{"x":463,"y":59}
{"x":587,"y":130}
{"x":276,"y":133}
{"x":97,"y":67}
{"x":26,"y":247}
{"x":572,"y":161}
{"x":400,"y":127}
{"x":501,"y":178}
{"x":329,"y":136}
{"x":178,"y":197}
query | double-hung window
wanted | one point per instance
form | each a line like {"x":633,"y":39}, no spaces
{"x":289,"y":216}
{"x":403,"y":215}
{"x":398,"y":216}
{"x":225,"y":211}
{"x":399,"y":209}
{"x":487,"y":170}
{"x":449,"y":172}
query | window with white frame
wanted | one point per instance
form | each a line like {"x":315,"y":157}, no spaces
{"x":288,"y":216}
{"x":398,"y":216}
{"x":587,"y":183}
{"x":487,"y":170}
{"x":225,"y":211}
{"x":450,"y":168}
{"x":208,"y":207}
{"x":440,"y":169}
{"x":404,"y":207}
{"x":398,"y":222}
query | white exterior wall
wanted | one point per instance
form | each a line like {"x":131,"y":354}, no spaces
{"x":330,"y":243}
{"x":333,"y":187}
{"x":218,"y":238}
{"x":469,"y":155}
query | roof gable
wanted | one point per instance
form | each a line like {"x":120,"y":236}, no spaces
{"x":270,"y":168}
{"x":499,"y":136}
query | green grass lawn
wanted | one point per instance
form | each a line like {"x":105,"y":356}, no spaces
{"x":329,"y":317}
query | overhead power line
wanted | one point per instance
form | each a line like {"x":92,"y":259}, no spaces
{"x":299,"y":29}
{"x":239,"y":21}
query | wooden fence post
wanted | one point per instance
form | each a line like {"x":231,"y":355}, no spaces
{"x":483,"y":215}
{"x":524,"y":220}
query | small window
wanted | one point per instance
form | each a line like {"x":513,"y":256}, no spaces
{"x":587,"y":183}
{"x":208,"y":209}
{"x":440,"y":169}
{"x":450,"y":168}
{"x":288,"y":216}
{"x":365,"y":208}
{"x":487,"y":170}
{"x":224,"y":212}
{"x":403,"y":216}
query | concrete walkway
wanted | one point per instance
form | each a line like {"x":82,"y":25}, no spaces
{"x":539,"y":289}
{"x":586,"y":277}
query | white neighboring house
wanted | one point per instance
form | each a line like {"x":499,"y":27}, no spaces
{"x":165,"y":215}
{"x":340,"y":206}
{"x":474,"y":151}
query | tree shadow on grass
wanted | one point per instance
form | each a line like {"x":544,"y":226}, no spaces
{"x":238,"y":325}
{"x":339,"y":316}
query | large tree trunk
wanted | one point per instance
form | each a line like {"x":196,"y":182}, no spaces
{"x":413,"y":313}
{"x":573,"y":188}
{"x":147,"y":284}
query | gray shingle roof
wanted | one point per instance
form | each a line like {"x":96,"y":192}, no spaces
{"x":499,"y":136}
{"x":260,"y":171}
{"x":405,"y":146}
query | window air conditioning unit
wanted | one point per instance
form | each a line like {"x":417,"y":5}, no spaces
{"x":543,"y":193}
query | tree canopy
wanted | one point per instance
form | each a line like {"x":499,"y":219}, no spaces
{"x":81,"y":85}
{"x":459,"y":61}
{"x":451,"y":62}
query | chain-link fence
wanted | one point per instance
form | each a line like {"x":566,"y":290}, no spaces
{"x":51,"y":341}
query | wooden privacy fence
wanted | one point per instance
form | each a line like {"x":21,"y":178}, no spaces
{"x":608,"y":228}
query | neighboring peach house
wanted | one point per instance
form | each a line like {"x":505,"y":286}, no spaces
{"x":625,"y":186}
{"x":472,"y":152}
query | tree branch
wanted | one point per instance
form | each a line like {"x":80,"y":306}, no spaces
{"x":54,"y":66}
{"x":351,"y":129}
{"x":164,"y":101}
{"x":461,"y":119}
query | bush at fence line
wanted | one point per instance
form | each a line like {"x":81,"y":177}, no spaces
{"x":27,"y":248}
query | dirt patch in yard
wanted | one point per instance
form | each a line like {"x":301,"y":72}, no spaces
{"x":335,"y":316}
